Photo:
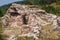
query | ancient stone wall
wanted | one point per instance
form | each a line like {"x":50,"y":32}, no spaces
{"x":29,"y":21}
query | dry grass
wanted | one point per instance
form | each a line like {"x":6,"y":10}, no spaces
{"x":47,"y":33}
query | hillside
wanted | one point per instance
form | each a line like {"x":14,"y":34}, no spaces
{"x":53,"y":7}
{"x":33,"y":20}
{"x":28,"y":22}
{"x":4,"y":8}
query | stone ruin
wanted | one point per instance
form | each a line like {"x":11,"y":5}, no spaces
{"x":30,"y":21}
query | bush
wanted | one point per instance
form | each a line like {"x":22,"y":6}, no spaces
{"x":50,"y":9}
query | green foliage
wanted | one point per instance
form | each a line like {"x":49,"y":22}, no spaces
{"x":38,"y":2}
{"x":47,"y":1}
{"x":3,"y":9}
{"x":33,"y":2}
{"x":41,"y":3}
{"x":50,"y":9}
{"x":46,"y":5}
{"x":1,"y":13}
{"x":58,"y":2}
{"x":58,"y":10}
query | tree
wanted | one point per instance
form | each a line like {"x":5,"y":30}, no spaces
{"x":38,"y":2}
{"x":1,"y":13}
{"x":33,"y":2}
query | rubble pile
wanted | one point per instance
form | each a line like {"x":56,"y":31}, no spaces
{"x":30,"y":21}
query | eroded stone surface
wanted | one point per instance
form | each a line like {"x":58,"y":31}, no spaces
{"x":30,"y":21}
